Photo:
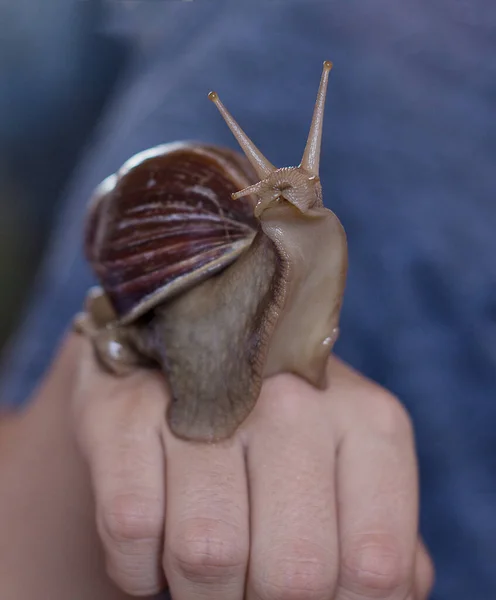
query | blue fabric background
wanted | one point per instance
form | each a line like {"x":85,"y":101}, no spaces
{"x":408,"y":165}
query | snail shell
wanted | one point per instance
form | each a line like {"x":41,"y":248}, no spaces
{"x":165,"y":222}
{"x":218,"y":293}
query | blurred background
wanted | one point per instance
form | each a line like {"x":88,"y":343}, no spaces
{"x":410,"y":155}
{"x":57,"y":68}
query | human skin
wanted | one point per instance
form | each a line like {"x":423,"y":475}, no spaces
{"x":315,"y":497}
{"x":48,"y":544}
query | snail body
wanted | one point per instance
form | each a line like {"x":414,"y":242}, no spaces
{"x":219,"y":288}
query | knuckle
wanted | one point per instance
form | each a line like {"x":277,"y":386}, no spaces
{"x":373,"y":566}
{"x":428,"y":579}
{"x":134,"y":584}
{"x":429,"y":574}
{"x":305,"y":573}
{"x":207,"y":550}
{"x":132,"y":518}
{"x":282,"y":405}
{"x":389,"y":416}
{"x":425,"y":574}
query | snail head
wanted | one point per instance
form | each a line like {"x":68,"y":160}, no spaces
{"x":299,"y":186}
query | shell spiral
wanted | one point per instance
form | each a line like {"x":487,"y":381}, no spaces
{"x":166,"y":221}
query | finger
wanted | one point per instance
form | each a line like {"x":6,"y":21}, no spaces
{"x":377,"y":491}
{"x":424,"y":573}
{"x":207,"y":532}
{"x":294,"y":551}
{"x":118,"y":422}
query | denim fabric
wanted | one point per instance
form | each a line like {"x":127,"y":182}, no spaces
{"x":408,"y":165}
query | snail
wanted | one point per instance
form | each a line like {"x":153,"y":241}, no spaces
{"x":219,"y":269}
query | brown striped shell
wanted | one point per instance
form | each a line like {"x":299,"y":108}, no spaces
{"x":166,"y":221}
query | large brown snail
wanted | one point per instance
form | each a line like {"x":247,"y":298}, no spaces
{"x":217,"y":287}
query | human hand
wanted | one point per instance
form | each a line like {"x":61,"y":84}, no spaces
{"x":314,"y":498}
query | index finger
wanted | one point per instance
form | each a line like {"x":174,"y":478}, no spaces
{"x":119,"y":426}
